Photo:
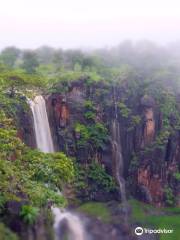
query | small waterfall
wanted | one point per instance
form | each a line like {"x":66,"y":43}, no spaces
{"x":74,"y":228}
{"x":117,"y":151}
{"x":118,"y":158}
{"x":41,"y":125}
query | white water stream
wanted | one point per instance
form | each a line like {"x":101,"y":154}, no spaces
{"x":41,"y":125}
{"x":75,"y":229}
{"x":117,"y":151}
{"x":118,"y":158}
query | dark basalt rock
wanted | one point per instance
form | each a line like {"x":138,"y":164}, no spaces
{"x":14,"y":207}
{"x":41,"y":230}
{"x":25,"y":127}
{"x":66,"y":109}
{"x":144,"y":194}
{"x":96,"y":229}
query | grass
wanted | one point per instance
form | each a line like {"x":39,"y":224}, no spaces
{"x":143,"y":214}
{"x":175,"y":210}
{"x":149,"y":216}
{"x":96,"y":209}
{"x":168,"y":222}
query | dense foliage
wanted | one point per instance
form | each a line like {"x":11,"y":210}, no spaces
{"x":6,"y":234}
{"x":91,"y":179}
{"x":33,"y":169}
{"x":27,"y":175}
{"x":135,"y":71}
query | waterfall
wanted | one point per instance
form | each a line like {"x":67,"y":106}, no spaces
{"x":118,"y":158}
{"x":41,"y":124}
{"x":117,"y":151}
{"x":75,"y":230}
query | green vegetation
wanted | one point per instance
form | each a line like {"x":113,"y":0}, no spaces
{"x":6,"y":234}
{"x":9,"y":56}
{"x":18,"y":81}
{"x":26,"y":174}
{"x":142,"y":214}
{"x":135,"y":120}
{"x":99,"y":176}
{"x":177,"y":176}
{"x":92,"y":178}
{"x":169,"y":196}
{"x":30,"y":62}
{"x":29,"y":214}
{"x":96,"y":209}
{"x":29,"y":175}
{"x":33,"y":177}
{"x":90,"y":111}
{"x":84,"y":134}
{"x":95,"y":135}
{"x":169,"y":108}
{"x":89,"y":105}
{"x":149,"y":216}
{"x":131,"y":120}
{"x":90,"y":115}
{"x":124,"y":110}
{"x":30,"y":167}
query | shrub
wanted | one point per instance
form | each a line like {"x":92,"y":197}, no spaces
{"x":91,"y":179}
{"x":89,"y":105}
{"x":29,"y":173}
{"x":90,"y":110}
{"x":100,"y":178}
{"x":94,"y":134}
{"x":6,"y":234}
{"x":2,"y":202}
{"x":124,"y":110}
{"x":135,"y":120}
{"x":84,"y":134}
{"x":29,"y":214}
{"x":89,"y":115}
{"x":98,"y":135}
{"x":177,"y":176}
{"x":169,"y":196}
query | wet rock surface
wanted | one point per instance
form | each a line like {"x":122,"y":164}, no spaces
{"x":118,"y":227}
{"x":154,"y":164}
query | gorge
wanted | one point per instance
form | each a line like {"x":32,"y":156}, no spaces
{"x":89,"y":150}
{"x":62,"y":113}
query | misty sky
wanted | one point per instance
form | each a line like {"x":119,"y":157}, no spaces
{"x":87,"y":23}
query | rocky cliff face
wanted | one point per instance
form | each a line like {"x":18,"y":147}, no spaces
{"x":151,"y":156}
{"x":41,"y":230}
{"x":25,"y":127}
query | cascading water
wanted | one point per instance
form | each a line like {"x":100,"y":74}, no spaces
{"x":45,"y":144}
{"x":41,"y":124}
{"x":118,"y":159}
{"x":75,"y":231}
{"x":117,"y":152}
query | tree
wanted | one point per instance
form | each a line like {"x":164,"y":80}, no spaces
{"x":11,"y":80}
{"x":17,"y":80}
{"x":45,"y":54}
{"x":72,"y":57}
{"x":58,"y":58}
{"x":9,"y":56}
{"x":30,"y":61}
